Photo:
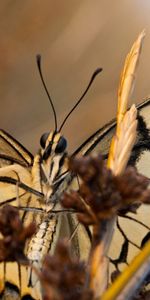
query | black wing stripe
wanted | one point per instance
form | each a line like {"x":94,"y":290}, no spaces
{"x":137,"y":221}
{"x":144,"y":103}
{"x":12,"y":159}
{"x":10,"y":200}
{"x":125,"y":236}
{"x":13,"y":181}
{"x":95,"y":138}
{"x":122,"y":258}
{"x":17,"y":147}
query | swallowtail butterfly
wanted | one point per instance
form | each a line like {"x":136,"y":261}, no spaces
{"x":35,"y":184}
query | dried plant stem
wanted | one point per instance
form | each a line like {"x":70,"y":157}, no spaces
{"x":124,"y":142}
{"x":133,"y":271}
{"x":99,"y":262}
{"x":128,"y":77}
{"x":99,"y":267}
{"x":124,"y":91}
{"x":119,"y":154}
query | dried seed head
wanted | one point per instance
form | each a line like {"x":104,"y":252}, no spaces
{"x":105,"y":194}
{"x":14,"y":235}
{"x":63,"y":277}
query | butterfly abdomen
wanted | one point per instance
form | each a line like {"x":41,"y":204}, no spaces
{"x":40,"y":244}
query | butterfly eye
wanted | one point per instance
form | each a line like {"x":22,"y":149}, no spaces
{"x":61,"y":146}
{"x":43,"y":139}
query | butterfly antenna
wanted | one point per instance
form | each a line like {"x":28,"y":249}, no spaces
{"x":38,"y":59}
{"x":97,"y":71}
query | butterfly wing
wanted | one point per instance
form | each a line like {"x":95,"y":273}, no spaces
{"x":15,"y":163}
{"x":15,"y":168}
{"x":132,"y":229}
{"x":15,"y":189}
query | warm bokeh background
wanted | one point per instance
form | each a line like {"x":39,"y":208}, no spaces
{"x":74,"y":37}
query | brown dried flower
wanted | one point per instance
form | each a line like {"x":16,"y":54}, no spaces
{"x":14,"y":235}
{"x":64,"y":277}
{"x":104,"y":193}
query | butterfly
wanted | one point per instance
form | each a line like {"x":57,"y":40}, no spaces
{"x":34,"y":185}
{"x":99,"y":141}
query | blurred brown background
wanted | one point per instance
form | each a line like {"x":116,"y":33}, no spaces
{"x":74,"y":37}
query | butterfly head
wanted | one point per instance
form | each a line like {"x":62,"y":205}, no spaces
{"x":52,"y":143}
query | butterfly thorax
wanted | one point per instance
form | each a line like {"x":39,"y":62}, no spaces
{"x":53,"y":162}
{"x":50,"y":164}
